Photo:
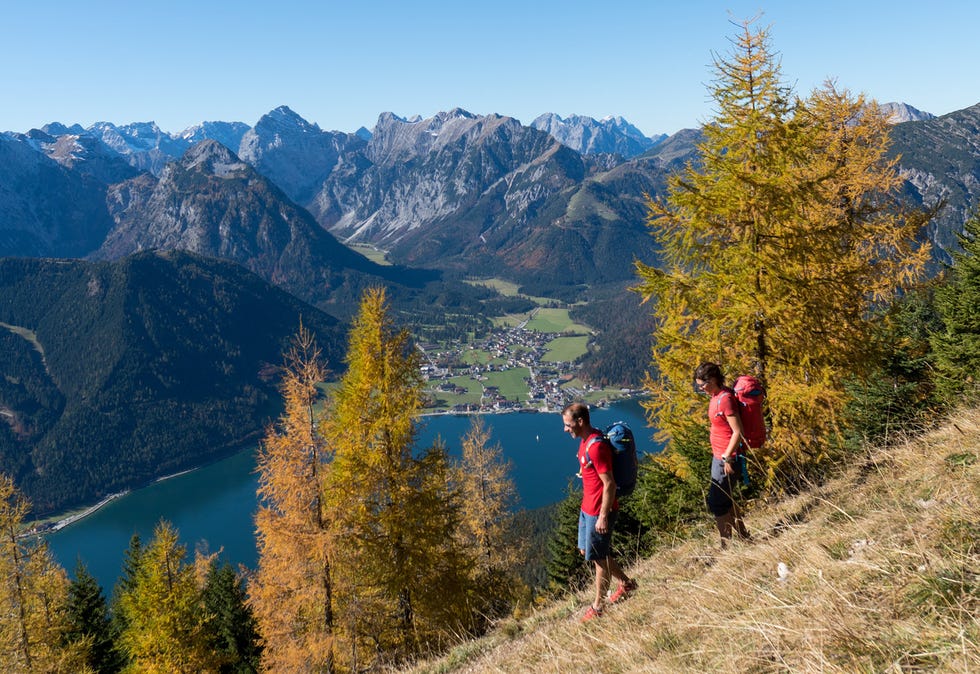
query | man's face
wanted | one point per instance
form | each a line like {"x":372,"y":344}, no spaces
{"x":572,"y":426}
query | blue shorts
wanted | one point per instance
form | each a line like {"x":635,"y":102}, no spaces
{"x":596,"y":546}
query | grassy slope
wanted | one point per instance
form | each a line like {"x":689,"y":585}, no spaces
{"x":883,"y":576}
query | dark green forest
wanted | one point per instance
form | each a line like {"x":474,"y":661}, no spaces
{"x":114,"y":373}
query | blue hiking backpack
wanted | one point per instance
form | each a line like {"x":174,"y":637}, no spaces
{"x":625,"y":464}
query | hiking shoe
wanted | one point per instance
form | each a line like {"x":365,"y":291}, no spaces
{"x":591,"y":613}
{"x":623,"y":591}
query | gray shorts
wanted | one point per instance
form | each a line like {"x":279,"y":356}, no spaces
{"x":720,"y":498}
{"x":596,"y":546}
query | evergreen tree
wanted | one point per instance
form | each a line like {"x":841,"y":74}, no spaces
{"x":231,"y":628}
{"x":777,"y":245}
{"x":291,"y":591}
{"x":957,"y":345}
{"x":132,"y":557}
{"x":164,"y":622}
{"x":899,"y":395}
{"x":566,"y":565}
{"x":89,"y":623}
{"x":402,"y":588}
{"x":33,"y":597}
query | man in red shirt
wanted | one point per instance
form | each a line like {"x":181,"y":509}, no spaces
{"x":599,"y":507}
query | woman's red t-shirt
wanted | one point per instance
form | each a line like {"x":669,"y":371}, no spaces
{"x":721,"y":406}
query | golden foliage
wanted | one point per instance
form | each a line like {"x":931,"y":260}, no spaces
{"x":778,"y":244}
{"x":33,"y":597}
{"x":487,"y":494}
{"x":164,"y":623}
{"x":290,"y":592}
{"x":401,"y":584}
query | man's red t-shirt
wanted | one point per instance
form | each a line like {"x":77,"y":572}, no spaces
{"x":601,"y":454}
{"x":721,"y":407}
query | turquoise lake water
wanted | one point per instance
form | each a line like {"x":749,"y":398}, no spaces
{"x":214,"y":505}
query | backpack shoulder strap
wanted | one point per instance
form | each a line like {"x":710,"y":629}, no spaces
{"x":598,"y":437}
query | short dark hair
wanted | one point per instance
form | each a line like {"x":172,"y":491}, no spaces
{"x":708,"y":371}
{"x":577,"y":411}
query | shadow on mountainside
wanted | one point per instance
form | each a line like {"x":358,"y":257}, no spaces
{"x":877,"y":570}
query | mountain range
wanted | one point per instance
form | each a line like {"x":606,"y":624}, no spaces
{"x":552,"y":203}
{"x":558,"y":207}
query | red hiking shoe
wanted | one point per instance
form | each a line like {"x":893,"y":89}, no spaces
{"x":591,"y":613}
{"x":623,"y":591}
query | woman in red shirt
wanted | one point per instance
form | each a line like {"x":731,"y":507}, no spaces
{"x":726,"y":436}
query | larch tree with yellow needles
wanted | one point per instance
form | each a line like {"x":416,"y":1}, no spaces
{"x":291,"y":591}
{"x":33,"y":597}
{"x":779,"y":242}
{"x":164,"y":623}
{"x":401,"y":579}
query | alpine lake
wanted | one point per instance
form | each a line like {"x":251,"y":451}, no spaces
{"x":213,"y":507}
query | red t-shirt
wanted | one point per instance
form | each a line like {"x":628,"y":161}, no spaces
{"x":601,"y":454}
{"x":721,"y":407}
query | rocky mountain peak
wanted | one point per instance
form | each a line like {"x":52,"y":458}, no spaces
{"x":59,"y":129}
{"x":396,"y":139}
{"x":896,"y":113}
{"x":284,"y":120}
{"x":229,"y":134}
{"x":212,"y":157}
{"x":587,"y":135}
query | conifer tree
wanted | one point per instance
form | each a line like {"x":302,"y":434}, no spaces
{"x":33,"y":597}
{"x":566,"y":565}
{"x":291,"y":591}
{"x":127,"y":580}
{"x":232,"y":636}
{"x":164,"y":621}
{"x":89,"y":623}
{"x":776,"y":246}
{"x":402,"y":586}
{"x":487,"y":497}
{"x":957,"y":345}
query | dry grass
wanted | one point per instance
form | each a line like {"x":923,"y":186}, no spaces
{"x":883,"y":567}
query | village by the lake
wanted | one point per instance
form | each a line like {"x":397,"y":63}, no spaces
{"x":526,"y":363}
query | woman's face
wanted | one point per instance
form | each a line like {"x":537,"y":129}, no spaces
{"x":709,"y":385}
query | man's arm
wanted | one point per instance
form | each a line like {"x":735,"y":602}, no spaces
{"x":608,"y":496}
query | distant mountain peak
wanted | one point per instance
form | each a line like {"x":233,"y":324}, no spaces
{"x":586,"y":135}
{"x":285,"y":117}
{"x":59,"y":129}
{"x":210,"y":156}
{"x":896,"y":113}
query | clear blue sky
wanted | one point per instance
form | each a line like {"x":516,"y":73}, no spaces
{"x":341,"y":64}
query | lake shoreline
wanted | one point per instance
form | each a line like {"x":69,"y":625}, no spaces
{"x":65,"y":519}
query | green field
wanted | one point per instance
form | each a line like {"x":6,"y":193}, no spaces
{"x":510,"y":320}
{"x":555,"y":320}
{"x":372,"y":253}
{"x":508,"y":289}
{"x":480,"y":357}
{"x":510,"y":382}
{"x":566,"y":349}
{"x":505,"y":288}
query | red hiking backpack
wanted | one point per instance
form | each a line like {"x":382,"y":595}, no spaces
{"x":749,"y":393}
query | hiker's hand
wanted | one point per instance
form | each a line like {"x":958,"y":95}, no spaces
{"x":602,"y":524}
{"x":729,"y":468}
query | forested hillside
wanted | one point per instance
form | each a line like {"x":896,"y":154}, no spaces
{"x":116,"y":373}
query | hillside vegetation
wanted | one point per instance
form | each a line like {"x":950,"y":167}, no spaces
{"x":112,"y":374}
{"x":881,"y":574}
